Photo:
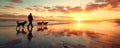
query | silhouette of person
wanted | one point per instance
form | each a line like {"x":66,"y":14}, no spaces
{"x":29,"y":36}
{"x":30,"y":19}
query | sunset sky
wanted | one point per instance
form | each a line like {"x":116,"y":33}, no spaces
{"x":61,"y":9}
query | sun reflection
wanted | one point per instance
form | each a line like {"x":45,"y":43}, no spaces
{"x":78,"y":23}
{"x":76,"y":26}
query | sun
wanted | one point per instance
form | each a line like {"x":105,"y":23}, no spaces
{"x":78,"y":19}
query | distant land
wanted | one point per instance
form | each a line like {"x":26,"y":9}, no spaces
{"x":37,"y":18}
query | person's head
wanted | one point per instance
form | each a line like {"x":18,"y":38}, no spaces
{"x":30,"y":14}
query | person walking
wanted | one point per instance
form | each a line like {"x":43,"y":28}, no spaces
{"x":30,"y":19}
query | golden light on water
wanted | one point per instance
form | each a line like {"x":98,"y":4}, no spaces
{"x":78,"y":21}
{"x":77,"y":24}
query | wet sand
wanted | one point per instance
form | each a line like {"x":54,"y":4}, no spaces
{"x":94,"y":35}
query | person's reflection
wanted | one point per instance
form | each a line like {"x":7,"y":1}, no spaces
{"x":20,"y":31}
{"x":29,"y":36}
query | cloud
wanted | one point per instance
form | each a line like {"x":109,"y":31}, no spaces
{"x":52,"y":10}
{"x":47,"y":7}
{"x":37,"y":8}
{"x":57,"y":9}
{"x":96,"y":5}
{"x":29,"y":8}
{"x":10,"y":6}
{"x":103,"y":4}
{"x":74,"y":9}
{"x":65,"y":9}
{"x":62,"y":9}
{"x":16,"y":1}
{"x":99,"y":0}
{"x":114,"y":3}
{"x":92,"y":7}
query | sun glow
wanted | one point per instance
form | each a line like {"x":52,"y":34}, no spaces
{"x":78,"y":19}
{"x":78,"y":23}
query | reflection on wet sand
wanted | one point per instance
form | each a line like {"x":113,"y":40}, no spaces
{"x":29,"y":36}
{"x":62,"y":36}
{"x":100,"y":40}
{"x":42,"y":28}
{"x":11,"y":43}
{"x":23,"y":32}
{"x":19,"y":31}
{"x":90,"y":39}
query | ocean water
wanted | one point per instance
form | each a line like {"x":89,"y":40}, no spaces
{"x":60,"y":34}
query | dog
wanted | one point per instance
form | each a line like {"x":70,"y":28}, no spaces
{"x":45,"y":23}
{"x":21,"y":24}
{"x":40,"y":23}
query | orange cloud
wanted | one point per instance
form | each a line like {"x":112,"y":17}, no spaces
{"x":75,"y":9}
{"x":92,"y":7}
{"x":16,"y":1}
{"x":103,"y":4}
{"x":65,"y":9}
{"x":36,"y":8}
{"x":29,"y":8}
{"x":98,"y":4}
{"x":108,"y":7}
{"x":10,"y":6}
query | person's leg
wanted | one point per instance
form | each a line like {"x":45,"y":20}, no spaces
{"x":28,"y":25}
{"x":31,"y":24}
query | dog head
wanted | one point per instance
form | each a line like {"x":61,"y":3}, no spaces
{"x":25,"y":21}
{"x":17,"y":21}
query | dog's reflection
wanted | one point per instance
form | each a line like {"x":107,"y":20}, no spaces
{"x":21,"y":31}
{"x":29,"y":36}
{"x":42,"y":28}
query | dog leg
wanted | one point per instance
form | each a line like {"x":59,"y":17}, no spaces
{"x":22,"y":27}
